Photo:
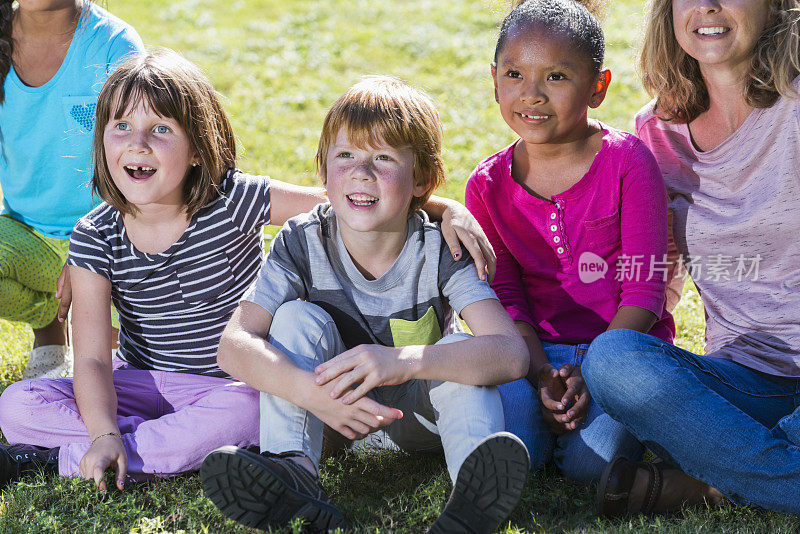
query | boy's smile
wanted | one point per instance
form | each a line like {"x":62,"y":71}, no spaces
{"x":370,"y":188}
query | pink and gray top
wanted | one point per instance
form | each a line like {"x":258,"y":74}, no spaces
{"x":736,"y":224}
{"x":566,"y":266}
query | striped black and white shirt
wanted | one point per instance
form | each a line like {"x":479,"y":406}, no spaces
{"x":174,"y":305}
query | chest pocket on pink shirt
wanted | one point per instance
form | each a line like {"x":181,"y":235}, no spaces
{"x":205,"y":279}
{"x":603,"y":232}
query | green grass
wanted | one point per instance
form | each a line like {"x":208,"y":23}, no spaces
{"x":280,"y":64}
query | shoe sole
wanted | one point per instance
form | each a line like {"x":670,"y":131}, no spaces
{"x":488,"y":487}
{"x":251,"y":494}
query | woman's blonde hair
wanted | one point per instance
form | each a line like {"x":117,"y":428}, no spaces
{"x":174,"y":88}
{"x":382,"y":107}
{"x":673,"y":77}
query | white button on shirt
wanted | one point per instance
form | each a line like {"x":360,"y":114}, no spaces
{"x":553,"y":227}
{"x":556,"y":239}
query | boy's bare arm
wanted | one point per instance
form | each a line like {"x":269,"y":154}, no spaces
{"x":496,"y":354}
{"x":245,"y":353}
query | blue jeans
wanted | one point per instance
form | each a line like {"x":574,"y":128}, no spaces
{"x":734,"y":428}
{"x":581,"y":454}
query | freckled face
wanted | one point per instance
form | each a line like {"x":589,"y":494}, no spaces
{"x":148,"y":156}
{"x":720,"y":34}
{"x":370,"y":188}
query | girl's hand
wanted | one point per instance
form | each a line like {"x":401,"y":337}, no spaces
{"x":368,"y":367}
{"x":550,"y":391}
{"x":460,"y":227}
{"x":63,"y":292}
{"x":576,"y":394}
{"x":105,"y":451}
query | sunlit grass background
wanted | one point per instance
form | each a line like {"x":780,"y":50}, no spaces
{"x":280,"y":64}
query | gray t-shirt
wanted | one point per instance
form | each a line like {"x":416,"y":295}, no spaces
{"x":411,"y":304}
{"x":736,"y":223}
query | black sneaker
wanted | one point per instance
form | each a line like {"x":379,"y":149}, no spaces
{"x":19,"y":461}
{"x":266,"y":490}
{"x":488,"y":486}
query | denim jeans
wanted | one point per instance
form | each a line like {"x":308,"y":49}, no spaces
{"x":734,"y":428}
{"x":581,"y":454}
{"x":436,"y":415}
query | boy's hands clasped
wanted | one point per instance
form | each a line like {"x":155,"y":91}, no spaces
{"x":349,"y":377}
{"x":364,"y":367}
{"x":563,"y":397}
{"x":354,"y":420}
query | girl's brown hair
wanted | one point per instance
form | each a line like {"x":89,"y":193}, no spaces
{"x":175,"y":88}
{"x":673,"y":77}
{"x":384,"y":107}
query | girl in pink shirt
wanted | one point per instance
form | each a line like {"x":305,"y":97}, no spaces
{"x":577,"y":214}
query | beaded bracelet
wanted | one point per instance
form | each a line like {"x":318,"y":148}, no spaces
{"x":115,"y":434}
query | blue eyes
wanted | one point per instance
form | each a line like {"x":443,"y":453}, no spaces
{"x":124,"y":127}
{"x":348,"y":155}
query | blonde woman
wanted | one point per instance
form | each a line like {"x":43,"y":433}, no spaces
{"x":725,"y":129}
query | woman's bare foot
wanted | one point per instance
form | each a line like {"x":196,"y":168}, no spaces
{"x":677,"y":490}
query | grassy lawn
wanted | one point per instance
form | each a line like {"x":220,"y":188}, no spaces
{"x":280,"y":64}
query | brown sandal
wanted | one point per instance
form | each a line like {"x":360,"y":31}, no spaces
{"x":616,"y":484}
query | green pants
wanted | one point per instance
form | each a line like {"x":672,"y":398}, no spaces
{"x":29,"y":267}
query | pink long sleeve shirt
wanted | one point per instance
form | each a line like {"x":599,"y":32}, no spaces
{"x":566,"y":266}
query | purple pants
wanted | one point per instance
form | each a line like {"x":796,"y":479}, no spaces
{"x":168,"y":421}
